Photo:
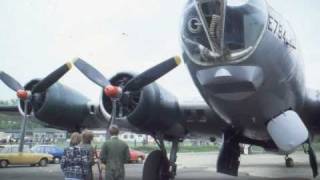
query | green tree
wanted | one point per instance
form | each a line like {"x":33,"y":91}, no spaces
{"x":14,"y":121}
{"x":11,"y":102}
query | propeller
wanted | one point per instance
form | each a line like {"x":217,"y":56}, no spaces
{"x":41,"y":86}
{"x":26,"y":95}
{"x":152,"y":74}
{"x":10,"y":81}
{"x":92,"y":73}
{"x":52,"y":78}
{"x":116,"y":92}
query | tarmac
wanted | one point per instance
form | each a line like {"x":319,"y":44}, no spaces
{"x":191,"y":166}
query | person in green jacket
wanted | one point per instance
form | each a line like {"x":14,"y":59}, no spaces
{"x":114,"y":154}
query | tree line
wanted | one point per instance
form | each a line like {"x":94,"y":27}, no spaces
{"x":11,"y":102}
{"x":13,"y":122}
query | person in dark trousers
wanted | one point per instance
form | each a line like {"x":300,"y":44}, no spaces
{"x":114,"y":154}
{"x":87,"y":137}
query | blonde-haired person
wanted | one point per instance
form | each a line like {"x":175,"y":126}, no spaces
{"x":75,"y":139}
{"x":75,"y":159}
{"x":87,"y":137}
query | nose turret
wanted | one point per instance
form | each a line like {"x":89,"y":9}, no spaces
{"x":219,"y":32}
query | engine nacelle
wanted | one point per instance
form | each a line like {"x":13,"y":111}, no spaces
{"x":152,"y":109}
{"x":63,"y":107}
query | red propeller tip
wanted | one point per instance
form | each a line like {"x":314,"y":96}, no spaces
{"x":22,"y":94}
{"x":112,"y":91}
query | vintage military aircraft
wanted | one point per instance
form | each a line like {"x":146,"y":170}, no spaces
{"x":244,"y":59}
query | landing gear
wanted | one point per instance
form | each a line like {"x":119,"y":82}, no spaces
{"x":250,"y":149}
{"x":157,"y":165}
{"x":289,"y":162}
{"x":228,"y":160}
{"x":173,"y":159}
{"x":312,"y":158}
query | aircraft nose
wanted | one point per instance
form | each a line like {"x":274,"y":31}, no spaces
{"x":231,"y":82}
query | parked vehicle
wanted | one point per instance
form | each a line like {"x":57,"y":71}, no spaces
{"x":9,"y":155}
{"x":55,"y":151}
{"x":136,"y":156}
{"x":4,"y":138}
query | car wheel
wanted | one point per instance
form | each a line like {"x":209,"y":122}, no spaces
{"x":43,"y":162}
{"x":56,"y":160}
{"x":4,"y":163}
{"x":140,"y":160}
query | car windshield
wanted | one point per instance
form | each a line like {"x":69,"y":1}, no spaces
{"x":14,"y":149}
{"x":35,"y":149}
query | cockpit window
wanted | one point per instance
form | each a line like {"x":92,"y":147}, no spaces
{"x":216,"y":31}
{"x":234,"y":31}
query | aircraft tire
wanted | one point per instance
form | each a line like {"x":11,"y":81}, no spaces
{"x":156,"y":166}
{"x":289,"y":163}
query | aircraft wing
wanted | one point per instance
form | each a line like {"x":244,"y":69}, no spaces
{"x":9,"y":110}
{"x":11,"y":113}
{"x":200,"y":119}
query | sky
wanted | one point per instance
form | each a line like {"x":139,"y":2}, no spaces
{"x":37,"y":36}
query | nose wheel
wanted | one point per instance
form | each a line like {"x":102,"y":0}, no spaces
{"x":289,"y":162}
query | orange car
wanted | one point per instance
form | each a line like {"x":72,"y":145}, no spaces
{"x":136,"y":156}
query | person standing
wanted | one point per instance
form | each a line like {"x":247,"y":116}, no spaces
{"x":74,"y":161}
{"x":87,"y":137}
{"x":114,"y":154}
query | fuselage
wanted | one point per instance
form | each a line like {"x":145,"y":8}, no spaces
{"x":250,"y":91}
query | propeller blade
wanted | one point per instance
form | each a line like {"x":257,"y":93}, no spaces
{"x":92,"y":73}
{"x":52,"y":78}
{"x":10,"y":81}
{"x":152,"y":74}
